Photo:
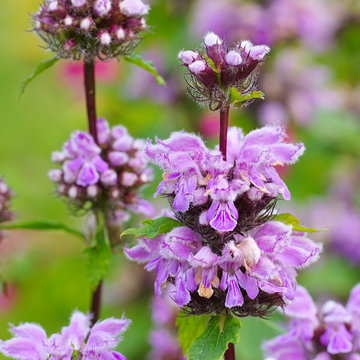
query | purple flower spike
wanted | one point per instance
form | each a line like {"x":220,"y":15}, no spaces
{"x":312,"y":328}
{"x":108,"y":175}
{"x":31,"y":343}
{"x":215,"y":75}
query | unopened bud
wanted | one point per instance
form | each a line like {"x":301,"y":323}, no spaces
{"x":92,"y":191}
{"x":197,"y":67}
{"x":233,"y":58}
{"x":73,"y":192}
{"x":187,"y":57}
{"x":212,"y":39}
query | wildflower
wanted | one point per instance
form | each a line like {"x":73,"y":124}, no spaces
{"x":223,"y":195}
{"x":106,"y":176}
{"x":84,"y":29}
{"x":76,"y":341}
{"x":212,"y":75}
{"x":257,"y":268}
{"x":319,"y":332}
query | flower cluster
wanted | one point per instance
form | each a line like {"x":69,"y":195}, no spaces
{"x":107,"y":176}
{"x":230,"y":254}
{"x":164,"y":344}
{"x":91,"y":29}
{"x":214,"y":74}
{"x":5,"y":198}
{"x":223,"y":195}
{"x":321,"y":333}
{"x":76,"y":341}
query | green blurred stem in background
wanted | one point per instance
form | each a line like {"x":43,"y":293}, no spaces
{"x":89,"y":81}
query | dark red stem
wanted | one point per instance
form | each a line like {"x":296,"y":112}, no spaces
{"x":89,"y":82}
{"x":89,"y":77}
{"x":224,"y":123}
{"x":230,"y":352}
{"x":96,"y":303}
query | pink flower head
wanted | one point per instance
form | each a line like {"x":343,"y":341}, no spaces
{"x":108,"y":174}
{"x":213,"y":76}
{"x":89,"y":30}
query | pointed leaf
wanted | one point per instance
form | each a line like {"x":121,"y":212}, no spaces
{"x":190,"y":328}
{"x":154,"y":227}
{"x":213,"y":342}
{"x":98,"y":257}
{"x":289,"y":219}
{"x":237,"y":99}
{"x":146,"y":65}
{"x":37,"y":71}
{"x":43,"y":225}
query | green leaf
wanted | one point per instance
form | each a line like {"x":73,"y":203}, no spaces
{"x":154,"y":227}
{"x":37,"y":71}
{"x":43,"y":225}
{"x":289,"y":219}
{"x":146,"y":65}
{"x":237,"y":99}
{"x":98,"y":257}
{"x":190,"y":328}
{"x":210,"y":62}
{"x":213,"y":342}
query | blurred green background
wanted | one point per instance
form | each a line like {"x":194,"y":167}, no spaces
{"x":46,"y":271}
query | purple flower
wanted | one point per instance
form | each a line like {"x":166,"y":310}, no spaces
{"x":76,"y":341}
{"x":265,"y":260}
{"x":197,"y":177}
{"x":212,"y":76}
{"x":106,"y":175}
{"x":163,"y":339}
{"x":90,"y":30}
{"x":319,"y":332}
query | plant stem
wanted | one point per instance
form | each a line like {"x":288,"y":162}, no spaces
{"x":230,"y":352}
{"x":96,"y":303}
{"x":89,"y":80}
{"x":224,"y":123}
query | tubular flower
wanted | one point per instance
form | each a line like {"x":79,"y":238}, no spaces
{"x":91,"y":29}
{"x":320,"y":333}
{"x":250,"y":270}
{"x":214,"y":195}
{"x":215,"y":75}
{"x":106,"y":176}
{"x":76,"y":341}
{"x":5,"y":198}
{"x":230,"y":255}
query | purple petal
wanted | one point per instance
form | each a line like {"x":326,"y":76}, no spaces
{"x":234,"y":296}
{"x":223,"y":220}
{"x":303,"y":306}
{"x":23,"y":349}
{"x":75,"y":334}
{"x":100,"y":164}
{"x":88,"y":175}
